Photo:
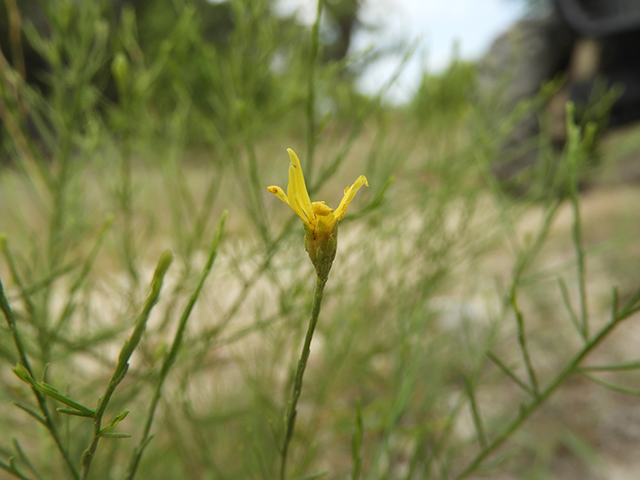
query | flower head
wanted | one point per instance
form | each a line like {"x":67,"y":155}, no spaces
{"x":320,"y":221}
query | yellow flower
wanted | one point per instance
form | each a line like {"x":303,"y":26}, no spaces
{"x":319,"y":220}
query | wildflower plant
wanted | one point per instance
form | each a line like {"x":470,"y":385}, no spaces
{"x":321,"y":242}
{"x":443,"y":345}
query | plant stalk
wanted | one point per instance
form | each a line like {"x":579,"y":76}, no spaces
{"x":290,"y":417}
{"x":171,"y":356}
{"x":42,"y":402}
{"x":123,"y":359}
{"x":527,"y":410}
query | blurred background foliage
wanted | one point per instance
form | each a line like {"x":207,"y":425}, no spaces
{"x":239,"y":64}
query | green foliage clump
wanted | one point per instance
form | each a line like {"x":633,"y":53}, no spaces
{"x":443,"y":99}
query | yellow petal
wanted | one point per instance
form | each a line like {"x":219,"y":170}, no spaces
{"x":349,"y":194}
{"x":321,"y":208}
{"x":278,"y":192}
{"x":325,"y":219}
{"x":297,"y":190}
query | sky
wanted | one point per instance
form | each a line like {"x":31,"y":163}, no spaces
{"x":437,"y":25}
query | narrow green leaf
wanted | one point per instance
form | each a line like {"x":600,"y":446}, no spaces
{"x":612,"y":386}
{"x":74,"y":412}
{"x":509,"y":373}
{"x":11,"y":468}
{"x":567,"y":304}
{"x":23,"y":374}
{"x":115,"y":435}
{"x":24,"y":459}
{"x":617,"y":366}
{"x":56,"y":395}
{"x":522,"y":341}
{"x":475,"y":413}
{"x":117,"y":419}
{"x":34,"y":414}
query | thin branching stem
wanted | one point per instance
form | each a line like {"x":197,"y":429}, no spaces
{"x":526,"y":410}
{"x":42,"y":403}
{"x":475,"y":413}
{"x":126,"y":206}
{"x":11,"y":468}
{"x":580,"y":260}
{"x":523,"y":262}
{"x":522,"y":341}
{"x":171,"y":356}
{"x":123,"y":359}
{"x":23,"y":457}
{"x":509,"y":373}
{"x":290,"y":416}
{"x":576,"y":230}
{"x":84,"y":273}
{"x":611,"y":386}
{"x":635,"y":365}
{"x":17,"y":278}
{"x":567,"y":304}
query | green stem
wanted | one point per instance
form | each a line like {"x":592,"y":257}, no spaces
{"x":522,"y":341}
{"x":42,"y":402}
{"x":173,"y":353}
{"x":123,"y":359}
{"x":575,"y":142}
{"x":126,"y":205}
{"x":4,"y":247}
{"x":475,"y":412}
{"x":580,"y":257}
{"x":290,"y":417}
{"x":60,"y":185}
{"x":527,"y":410}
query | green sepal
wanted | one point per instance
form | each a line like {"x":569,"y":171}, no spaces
{"x":310,"y":244}
{"x":321,"y":245}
